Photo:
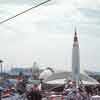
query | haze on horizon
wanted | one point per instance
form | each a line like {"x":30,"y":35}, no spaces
{"x":45,"y":34}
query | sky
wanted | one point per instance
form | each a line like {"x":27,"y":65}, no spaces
{"x":45,"y":34}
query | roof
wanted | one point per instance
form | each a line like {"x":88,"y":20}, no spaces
{"x":59,"y":77}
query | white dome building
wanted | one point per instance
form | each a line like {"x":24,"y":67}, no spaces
{"x":63,"y":74}
{"x":63,"y":77}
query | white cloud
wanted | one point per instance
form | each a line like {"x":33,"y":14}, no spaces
{"x":89,"y":3}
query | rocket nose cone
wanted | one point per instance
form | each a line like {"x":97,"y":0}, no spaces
{"x":75,"y":36}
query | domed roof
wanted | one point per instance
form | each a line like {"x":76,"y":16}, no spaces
{"x":68,"y":76}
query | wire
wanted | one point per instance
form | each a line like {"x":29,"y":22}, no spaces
{"x":24,"y":12}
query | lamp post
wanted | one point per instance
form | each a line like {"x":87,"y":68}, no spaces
{"x":1,"y":61}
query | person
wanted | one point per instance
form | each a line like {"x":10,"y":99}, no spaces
{"x":21,"y":87}
{"x":34,"y":93}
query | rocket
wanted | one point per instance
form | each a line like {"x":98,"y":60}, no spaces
{"x":75,"y":60}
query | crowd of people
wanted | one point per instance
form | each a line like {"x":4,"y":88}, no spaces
{"x":71,"y":91}
{"x":75,"y":93}
{"x":80,"y":92}
{"x":34,"y":93}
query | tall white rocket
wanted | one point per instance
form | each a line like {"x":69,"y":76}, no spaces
{"x":75,"y":59}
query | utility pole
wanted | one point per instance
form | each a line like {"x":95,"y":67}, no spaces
{"x":1,"y":61}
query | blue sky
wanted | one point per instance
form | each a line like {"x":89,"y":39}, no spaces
{"x":46,"y":34}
